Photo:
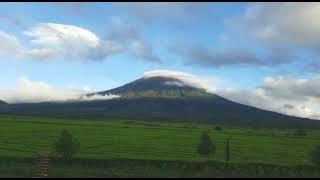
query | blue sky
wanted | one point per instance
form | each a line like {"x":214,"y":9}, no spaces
{"x":262,"y":50}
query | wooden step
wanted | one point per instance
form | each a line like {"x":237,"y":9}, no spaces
{"x":42,"y":160}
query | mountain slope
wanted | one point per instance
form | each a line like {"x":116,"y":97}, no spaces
{"x":154,"y":98}
{"x":155,"y":87}
{"x":2,"y":102}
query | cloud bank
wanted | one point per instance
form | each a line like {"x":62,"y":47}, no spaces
{"x":193,"y":54}
{"x":287,"y":95}
{"x":165,"y":12}
{"x":290,"y":30}
{"x":288,"y":23}
{"x":28,"y":91}
{"x":274,"y":34}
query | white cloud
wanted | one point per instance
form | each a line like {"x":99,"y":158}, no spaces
{"x":53,"y":41}
{"x":9,"y":45}
{"x":27,"y":91}
{"x":43,"y":53}
{"x":30,"y":91}
{"x":175,"y":83}
{"x":207,"y":83}
{"x":59,"y":40}
{"x":289,"y":23}
{"x":50,"y":34}
{"x":87,"y":88}
{"x":98,"y":97}
{"x":298,"y":97}
{"x":50,"y":41}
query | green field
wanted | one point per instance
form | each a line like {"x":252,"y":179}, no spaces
{"x":106,"y":139}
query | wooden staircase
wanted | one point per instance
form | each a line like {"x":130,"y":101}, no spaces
{"x":42,"y":160}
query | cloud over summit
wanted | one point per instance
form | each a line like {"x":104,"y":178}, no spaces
{"x":185,"y":79}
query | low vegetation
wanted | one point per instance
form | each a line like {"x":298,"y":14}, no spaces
{"x":300,"y":132}
{"x":66,"y":146}
{"x":206,"y":147}
{"x":315,"y":155}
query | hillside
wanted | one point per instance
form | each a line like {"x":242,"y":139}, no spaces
{"x":156,"y":87}
{"x":2,"y":102}
{"x":155,"y":99}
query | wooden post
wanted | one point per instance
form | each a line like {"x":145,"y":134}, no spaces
{"x":227,"y":150}
{"x":42,"y":160}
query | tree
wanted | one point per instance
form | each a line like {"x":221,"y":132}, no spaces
{"x":218,"y":128}
{"x":227,"y":150}
{"x":206,"y":146}
{"x":300,"y":132}
{"x":66,"y":146}
{"x":315,"y":155}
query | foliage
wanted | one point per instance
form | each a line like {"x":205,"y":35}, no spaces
{"x":66,"y":146}
{"x":227,"y":150}
{"x":315,"y":155}
{"x":206,"y":146}
{"x":300,"y":132}
{"x":218,"y":128}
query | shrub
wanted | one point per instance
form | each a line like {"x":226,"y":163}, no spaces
{"x":206,"y":146}
{"x":218,"y":128}
{"x":66,"y":146}
{"x":315,"y":155}
{"x":227,"y":150}
{"x":300,"y":132}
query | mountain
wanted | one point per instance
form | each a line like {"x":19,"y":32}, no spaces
{"x":163,"y":98}
{"x":156,"y":87}
{"x":3,"y":102}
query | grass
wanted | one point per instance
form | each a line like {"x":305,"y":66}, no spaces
{"x":22,"y":136}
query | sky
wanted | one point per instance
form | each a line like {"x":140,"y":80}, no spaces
{"x":260,"y":54}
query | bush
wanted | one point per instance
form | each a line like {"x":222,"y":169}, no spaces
{"x":218,"y":128}
{"x":315,"y":155}
{"x":206,"y":146}
{"x":227,"y":150}
{"x":300,"y":132}
{"x":65,"y":146}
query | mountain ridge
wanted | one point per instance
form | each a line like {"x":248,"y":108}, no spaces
{"x":3,"y":102}
{"x":153,"y":98}
{"x":155,"y":87}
